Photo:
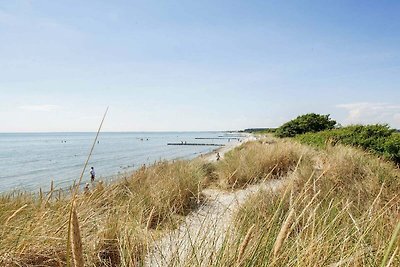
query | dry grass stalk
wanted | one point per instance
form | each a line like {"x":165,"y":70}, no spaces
{"x":74,"y":191}
{"x":76,"y":242}
{"x":284,"y":232}
{"x":150,"y":219}
{"x":351,"y":259}
{"x":15,"y":213}
{"x":291,"y":198}
{"x":244,"y":244}
{"x":49,"y":196}
{"x":392,"y":258}
{"x":392,"y":242}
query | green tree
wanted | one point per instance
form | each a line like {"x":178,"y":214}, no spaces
{"x":306,"y":123}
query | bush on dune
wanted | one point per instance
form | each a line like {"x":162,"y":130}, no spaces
{"x":379,"y":139}
{"x":305,"y":123}
{"x":319,"y":130}
{"x":392,"y":147}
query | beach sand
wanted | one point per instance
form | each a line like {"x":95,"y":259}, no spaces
{"x":212,"y":156}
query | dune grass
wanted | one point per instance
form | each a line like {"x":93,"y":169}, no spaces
{"x":257,"y":161}
{"x":115,"y":220}
{"x":343,"y":214}
{"x":341,"y":207}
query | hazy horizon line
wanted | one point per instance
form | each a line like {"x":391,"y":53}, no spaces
{"x":161,"y":131}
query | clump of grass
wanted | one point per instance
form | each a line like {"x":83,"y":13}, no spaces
{"x":174,"y":187}
{"x":257,"y":161}
{"x":357,"y":176}
{"x":346,"y":214}
{"x":210,"y":171}
{"x":113,"y":218}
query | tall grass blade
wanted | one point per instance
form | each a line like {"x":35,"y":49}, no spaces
{"x":391,"y":243}
{"x":76,"y":188}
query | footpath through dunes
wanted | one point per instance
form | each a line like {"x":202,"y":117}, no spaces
{"x":204,"y":231}
{"x":279,"y":203}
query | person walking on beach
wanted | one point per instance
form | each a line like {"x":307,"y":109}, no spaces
{"x":218,"y":156}
{"x":92,"y":174}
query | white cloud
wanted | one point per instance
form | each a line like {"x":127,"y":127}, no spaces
{"x":366,"y":112}
{"x":44,"y":108}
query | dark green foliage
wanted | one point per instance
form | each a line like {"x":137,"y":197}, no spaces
{"x":259,"y":130}
{"x":377,"y":138}
{"x":392,"y":147}
{"x":306,"y":123}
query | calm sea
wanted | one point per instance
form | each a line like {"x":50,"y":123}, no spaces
{"x":29,"y":161}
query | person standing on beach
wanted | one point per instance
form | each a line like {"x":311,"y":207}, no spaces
{"x":92,"y":174}
{"x":218,"y":156}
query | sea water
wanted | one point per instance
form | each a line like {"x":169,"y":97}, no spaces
{"x":29,"y":161}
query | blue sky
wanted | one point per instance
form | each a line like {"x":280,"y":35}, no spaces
{"x":196,"y":65}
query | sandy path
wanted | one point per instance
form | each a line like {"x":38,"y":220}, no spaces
{"x":204,"y":230}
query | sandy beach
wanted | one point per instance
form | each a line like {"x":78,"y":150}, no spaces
{"x":210,"y":157}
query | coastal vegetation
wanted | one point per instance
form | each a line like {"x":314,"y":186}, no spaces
{"x":344,"y":211}
{"x":259,"y":130}
{"x":254,"y":162}
{"x":379,"y":139}
{"x":310,"y":122}
{"x":115,"y":220}
{"x":319,"y":130}
{"x":338,"y":205}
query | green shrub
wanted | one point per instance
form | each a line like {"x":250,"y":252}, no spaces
{"x":305,"y":123}
{"x":378,"y":138}
{"x":392,"y":147}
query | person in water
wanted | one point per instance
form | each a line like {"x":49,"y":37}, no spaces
{"x":92,"y":174}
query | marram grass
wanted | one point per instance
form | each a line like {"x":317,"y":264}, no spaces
{"x":112,"y":218}
{"x":341,"y":207}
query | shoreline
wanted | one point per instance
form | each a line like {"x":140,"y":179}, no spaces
{"x":207,"y":157}
{"x":211,"y":157}
{"x":113,"y":178}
